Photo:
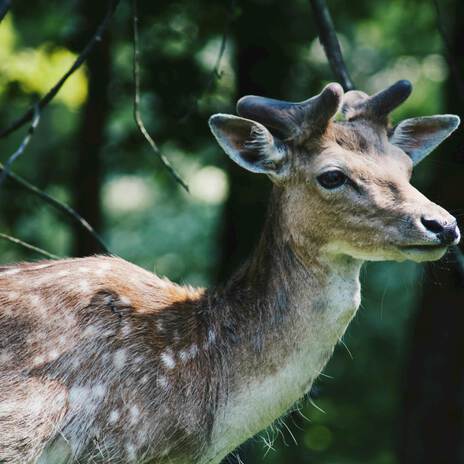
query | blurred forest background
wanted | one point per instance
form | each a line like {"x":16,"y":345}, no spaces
{"x":395,"y":392}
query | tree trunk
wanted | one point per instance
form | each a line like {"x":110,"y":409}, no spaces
{"x":88,"y":168}
{"x":432,"y":429}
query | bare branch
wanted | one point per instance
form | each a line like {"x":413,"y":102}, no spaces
{"x":329,"y":41}
{"x":7,"y":167}
{"x":63,"y":208}
{"x":216,"y":74}
{"x":44,"y":101}
{"x":17,"y":241}
{"x":137,"y":115}
{"x":5,"y":5}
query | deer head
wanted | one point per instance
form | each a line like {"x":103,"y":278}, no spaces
{"x":344,"y":185}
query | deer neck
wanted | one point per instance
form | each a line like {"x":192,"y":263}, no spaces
{"x":284,"y":292}
{"x":285,"y":312}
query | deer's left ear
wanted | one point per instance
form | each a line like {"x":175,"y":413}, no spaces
{"x":419,"y":136}
{"x":250,"y":145}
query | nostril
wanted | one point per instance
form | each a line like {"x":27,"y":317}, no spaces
{"x":450,"y":234}
{"x":432,"y":225}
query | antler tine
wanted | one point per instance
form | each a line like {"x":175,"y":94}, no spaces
{"x":358,"y":104}
{"x":292,"y":120}
{"x":385,"y":101}
{"x":274,"y":114}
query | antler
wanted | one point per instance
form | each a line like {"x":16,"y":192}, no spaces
{"x":293,"y":120}
{"x":358,"y":104}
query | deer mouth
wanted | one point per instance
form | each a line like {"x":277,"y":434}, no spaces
{"x":426,"y":248}
{"x":418,"y":253}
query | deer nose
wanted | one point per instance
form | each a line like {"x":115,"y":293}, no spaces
{"x":445,"y":231}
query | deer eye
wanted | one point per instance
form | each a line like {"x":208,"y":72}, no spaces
{"x":332,"y":179}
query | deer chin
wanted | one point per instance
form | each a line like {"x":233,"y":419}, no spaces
{"x":420,"y":253}
{"x":374,"y":253}
{"x":417,"y":253}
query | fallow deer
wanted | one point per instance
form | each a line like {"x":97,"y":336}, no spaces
{"x":102,"y":361}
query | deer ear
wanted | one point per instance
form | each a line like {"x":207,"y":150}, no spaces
{"x":250,"y":144}
{"x":419,"y":136}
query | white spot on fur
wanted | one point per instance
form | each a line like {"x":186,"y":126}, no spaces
{"x":130,"y":448}
{"x":134,"y":413}
{"x":119,"y":358}
{"x":163,"y":382}
{"x":183,"y":355}
{"x":84,"y":286}
{"x":89,"y":331}
{"x":160,"y":326}
{"x":126,"y":330}
{"x":83,"y":269}
{"x":38,"y":360}
{"x":10,"y":272}
{"x":193,"y":351}
{"x":34,"y":300}
{"x":62,"y":273}
{"x":144,"y":379}
{"x":108,"y":333}
{"x":78,"y":395}
{"x":13,"y":295}
{"x":211,"y":338}
{"x":102,"y":269}
{"x":165,"y":452}
{"x":167,"y":358}
{"x":114,"y":416}
{"x":188,"y":354}
{"x":99,"y":390}
{"x":35,"y":404}
{"x":52,"y":355}
{"x":5,"y":357}
{"x":125,"y":300}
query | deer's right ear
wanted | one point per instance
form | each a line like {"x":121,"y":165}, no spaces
{"x":250,"y":145}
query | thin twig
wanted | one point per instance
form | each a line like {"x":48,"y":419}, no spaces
{"x":63,"y":208}
{"x":137,"y":115}
{"x":17,"y":241}
{"x":44,"y":101}
{"x":330,"y":43}
{"x":453,"y":65}
{"x":7,"y":167}
{"x":216,"y":74}
{"x":5,"y":5}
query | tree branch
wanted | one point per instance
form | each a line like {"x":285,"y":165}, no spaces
{"x":28,"y":246}
{"x":137,"y":115}
{"x":63,"y":208}
{"x":44,"y":101}
{"x":7,"y":167}
{"x":330,"y":43}
{"x":216,"y":74}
